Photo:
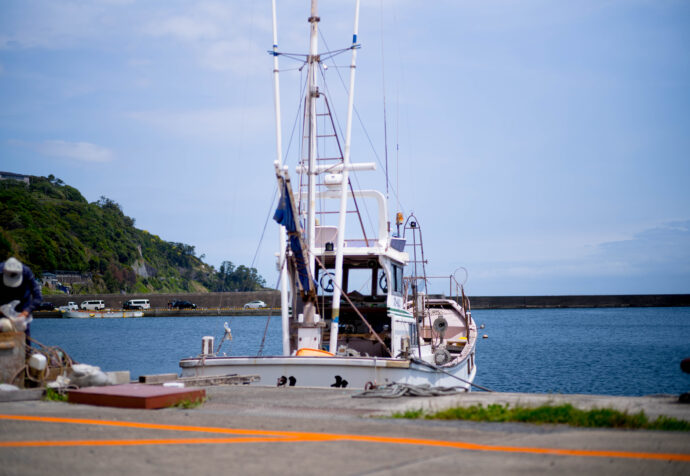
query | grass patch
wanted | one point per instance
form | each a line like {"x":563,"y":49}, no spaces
{"x":410,"y":414}
{"x":52,"y":395}
{"x":187,"y":404}
{"x":559,"y":414}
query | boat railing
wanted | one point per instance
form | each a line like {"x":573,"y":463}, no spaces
{"x":456,"y":291}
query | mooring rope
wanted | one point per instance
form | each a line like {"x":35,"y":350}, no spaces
{"x":435,"y":367}
{"x":397,"y":390}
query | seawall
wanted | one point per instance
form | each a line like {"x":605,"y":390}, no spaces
{"x":584,"y":301}
{"x":272,"y":299}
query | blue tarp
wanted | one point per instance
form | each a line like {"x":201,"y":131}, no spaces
{"x":284,"y":215}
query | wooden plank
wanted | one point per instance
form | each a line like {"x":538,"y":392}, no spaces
{"x":157,"y":378}
{"x":135,"y":395}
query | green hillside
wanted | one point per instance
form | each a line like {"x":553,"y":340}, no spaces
{"x":50,"y":226}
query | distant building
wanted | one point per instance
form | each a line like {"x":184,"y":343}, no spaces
{"x":64,"y":280}
{"x":49,"y":279}
{"x":12,"y":176}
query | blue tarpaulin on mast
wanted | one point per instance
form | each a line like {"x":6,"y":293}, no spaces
{"x":284,"y":215}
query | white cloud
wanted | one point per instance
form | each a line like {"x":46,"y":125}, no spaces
{"x":82,"y":151}
{"x":219,"y":35}
{"x":663,"y":248}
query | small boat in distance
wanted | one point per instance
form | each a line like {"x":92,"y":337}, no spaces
{"x":104,"y":313}
{"x":351,"y":315}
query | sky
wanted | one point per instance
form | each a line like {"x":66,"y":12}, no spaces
{"x":543,"y":146}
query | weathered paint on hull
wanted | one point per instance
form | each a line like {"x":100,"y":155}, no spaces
{"x":322,"y":371}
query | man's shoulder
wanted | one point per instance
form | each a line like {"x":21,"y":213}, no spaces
{"x":26,"y":271}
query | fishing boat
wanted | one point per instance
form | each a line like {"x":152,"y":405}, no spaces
{"x":104,"y":313}
{"x":355,"y":304}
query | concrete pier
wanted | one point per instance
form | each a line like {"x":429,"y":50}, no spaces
{"x":268,"y":430}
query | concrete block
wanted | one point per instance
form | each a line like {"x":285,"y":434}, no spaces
{"x":118,"y":377}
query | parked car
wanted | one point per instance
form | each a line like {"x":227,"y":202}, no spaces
{"x":45,"y":306}
{"x":70,"y":306}
{"x":255,"y":305}
{"x":183,"y":305}
{"x":137,"y":304}
{"x":93,"y":305}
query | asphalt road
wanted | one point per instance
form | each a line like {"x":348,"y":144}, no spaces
{"x":255,"y":430}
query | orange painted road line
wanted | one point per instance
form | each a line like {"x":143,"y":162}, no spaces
{"x":152,"y":426}
{"x":136,"y":442}
{"x":252,"y":436}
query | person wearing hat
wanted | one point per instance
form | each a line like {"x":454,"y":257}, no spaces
{"x":18,"y":283}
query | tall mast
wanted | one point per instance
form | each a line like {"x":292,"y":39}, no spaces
{"x":313,"y":93}
{"x":340,"y":241}
{"x":285,"y":324}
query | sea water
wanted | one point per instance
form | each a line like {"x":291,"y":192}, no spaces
{"x":630,"y":351}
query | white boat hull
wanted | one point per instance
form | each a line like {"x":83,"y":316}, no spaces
{"x":101,"y":314}
{"x":322,"y":371}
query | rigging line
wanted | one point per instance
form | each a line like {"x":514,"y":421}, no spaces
{"x":294,"y":124}
{"x":263,"y":232}
{"x":435,"y":367}
{"x":366,"y":209}
{"x":300,"y":56}
{"x":337,"y":129}
{"x":399,"y":78}
{"x":356,"y":178}
{"x":378,"y":158}
{"x":268,"y":318}
{"x":287,"y":70}
{"x":340,"y":131}
{"x":383,"y":88}
{"x":366,"y":133}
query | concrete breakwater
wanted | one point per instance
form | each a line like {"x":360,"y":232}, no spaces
{"x":583,"y":301}
{"x":235,"y":300}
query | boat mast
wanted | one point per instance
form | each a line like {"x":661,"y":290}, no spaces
{"x":313,"y":59}
{"x":345,"y":180}
{"x":279,"y":160}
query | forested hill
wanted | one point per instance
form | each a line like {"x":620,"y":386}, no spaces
{"x":50,"y":226}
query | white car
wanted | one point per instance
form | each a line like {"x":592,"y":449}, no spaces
{"x":93,"y":305}
{"x":71,"y":306}
{"x":255,"y":305}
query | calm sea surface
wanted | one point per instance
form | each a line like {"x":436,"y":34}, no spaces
{"x":606,"y":351}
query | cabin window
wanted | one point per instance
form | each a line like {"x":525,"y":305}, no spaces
{"x":359,"y":280}
{"x":414,"y":340}
{"x":397,"y":279}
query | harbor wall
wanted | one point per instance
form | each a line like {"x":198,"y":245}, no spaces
{"x":584,"y":301}
{"x":272,"y":299}
{"x":202,"y":300}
